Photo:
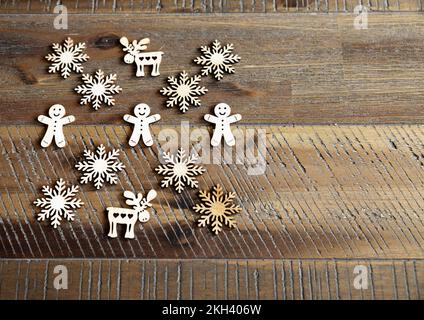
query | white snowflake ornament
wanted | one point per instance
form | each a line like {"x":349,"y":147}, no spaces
{"x":100,"y":166}
{"x":67,"y":57}
{"x":59,"y":202}
{"x":98,"y":89}
{"x":217,"y":59}
{"x":179,"y":170}
{"x":183,"y":91}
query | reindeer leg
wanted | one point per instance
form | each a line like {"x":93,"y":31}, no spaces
{"x":139,"y":74}
{"x":130,"y":231}
{"x":142,"y":70}
{"x":112,"y":229}
{"x":155,"y":69}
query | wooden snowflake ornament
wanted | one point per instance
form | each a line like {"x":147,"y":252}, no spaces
{"x":67,"y":57}
{"x":136,"y":55}
{"x":98,"y":89}
{"x":180,"y":170}
{"x":183,"y":91}
{"x":217,"y":209}
{"x":129,"y":217}
{"x":55,"y":122}
{"x":100,"y":166}
{"x":217,"y":59}
{"x":59,"y":202}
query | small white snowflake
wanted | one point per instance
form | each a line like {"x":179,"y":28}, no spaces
{"x":179,"y":170}
{"x":98,"y":89}
{"x":216,"y":59}
{"x":67,"y":57}
{"x":100,"y":166}
{"x":183,"y":91}
{"x":59,"y":202}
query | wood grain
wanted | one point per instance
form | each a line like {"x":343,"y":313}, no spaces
{"x":206,"y":6}
{"x":331,"y":198}
{"x":294,"y":70}
{"x":327,"y":192}
{"x":212,"y":279}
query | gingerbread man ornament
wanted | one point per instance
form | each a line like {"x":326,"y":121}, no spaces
{"x":141,"y":122}
{"x":55,"y":124}
{"x":222,"y":121}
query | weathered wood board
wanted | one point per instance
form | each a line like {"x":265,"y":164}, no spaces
{"x":342,"y":110}
{"x":294,"y":69}
{"x":211,"y":279}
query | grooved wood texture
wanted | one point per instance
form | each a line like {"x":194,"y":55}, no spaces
{"x":211,"y":279}
{"x":207,"y":6}
{"x":327,"y":192}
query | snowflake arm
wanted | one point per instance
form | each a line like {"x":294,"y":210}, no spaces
{"x":217,"y":60}
{"x":58,"y":202}
{"x":67,"y":57}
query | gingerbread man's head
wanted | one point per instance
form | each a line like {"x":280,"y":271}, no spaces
{"x":142,"y":110}
{"x":57,"y":111}
{"x":222,"y":110}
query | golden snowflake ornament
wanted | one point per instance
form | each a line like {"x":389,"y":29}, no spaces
{"x":67,"y":57}
{"x":217,"y":209}
{"x":217,"y":59}
{"x":179,"y":170}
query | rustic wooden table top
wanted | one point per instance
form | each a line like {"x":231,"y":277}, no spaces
{"x":343,"y":112}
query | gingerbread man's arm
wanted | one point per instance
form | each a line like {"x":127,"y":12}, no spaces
{"x":210,"y":118}
{"x":153,"y":118}
{"x":234,"y":118}
{"x":44,"y":119}
{"x":129,"y":118}
{"x":68,"y":119}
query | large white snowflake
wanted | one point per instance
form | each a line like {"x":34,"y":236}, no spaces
{"x":179,"y":170}
{"x":183,"y":91}
{"x":98,"y":89}
{"x":217,"y":209}
{"x":100,"y":166}
{"x":67,"y":57}
{"x":59,"y":202}
{"x":217,"y":59}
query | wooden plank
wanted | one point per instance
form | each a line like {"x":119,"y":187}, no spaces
{"x":312,"y":70}
{"x":206,"y":6}
{"x":327,"y":192}
{"x":212,"y":279}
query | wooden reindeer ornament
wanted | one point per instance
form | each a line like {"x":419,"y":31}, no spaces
{"x":129,"y":216}
{"x":141,"y":59}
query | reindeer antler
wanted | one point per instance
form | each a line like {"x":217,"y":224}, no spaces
{"x":131,"y":198}
{"x":141,"y":45}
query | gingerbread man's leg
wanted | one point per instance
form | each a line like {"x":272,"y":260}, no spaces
{"x":216,"y":138}
{"x":48,"y":137}
{"x":59,"y":137}
{"x":229,"y":137}
{"x":135,"y":136}
{"x":147,"y":136}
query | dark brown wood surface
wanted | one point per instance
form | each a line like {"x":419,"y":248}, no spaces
{"x":294,"y":69}
{"x":343,"y":193}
